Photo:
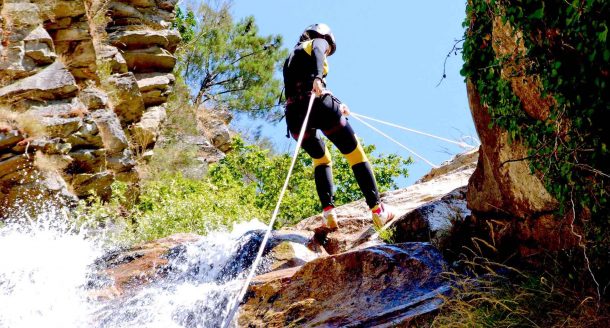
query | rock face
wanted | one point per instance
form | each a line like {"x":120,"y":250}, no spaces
{"x":386,"y":285}
{"x":510,"y":204}
{"x":94,"y":76}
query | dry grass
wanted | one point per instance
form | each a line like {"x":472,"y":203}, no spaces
{"x":50,"y":163}
{"x":25,"y":123}
{"x":495,"y":295}
{"x":139,"y":140}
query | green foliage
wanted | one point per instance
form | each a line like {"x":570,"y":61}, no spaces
{"x":263,"y":174}
{"x":174,"y":204}
{"x":169,"y":204}
{"x":567,"y":48}
{"x":227,"y":64}
{"x":185,"y":24}
{"x":387,"y":235}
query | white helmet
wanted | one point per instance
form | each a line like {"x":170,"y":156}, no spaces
{"x":321,"y":31}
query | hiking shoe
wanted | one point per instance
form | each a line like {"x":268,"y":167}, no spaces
{"x":331,"y":218}
{"x":381,"y":215}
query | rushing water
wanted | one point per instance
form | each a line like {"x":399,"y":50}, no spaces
{"x":47,"y":268}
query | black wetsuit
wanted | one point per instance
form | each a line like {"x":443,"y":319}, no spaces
{"x":306,"y":63}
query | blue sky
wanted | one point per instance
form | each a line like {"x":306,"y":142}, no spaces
{"x":388,"y":62}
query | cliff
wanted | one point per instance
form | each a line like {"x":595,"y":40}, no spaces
{"x":83,"y":85}
{"x":536,"y":76}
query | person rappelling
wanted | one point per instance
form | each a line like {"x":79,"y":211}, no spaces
{"x":304,"y":73}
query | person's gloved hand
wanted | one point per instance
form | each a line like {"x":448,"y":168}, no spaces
{"x":344,"y":110}
{"x":318,"y":87}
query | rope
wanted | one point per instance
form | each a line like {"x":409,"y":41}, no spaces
{"x":259,"y":255}
{"x":461,"y":144}
{"x":396,"y":142}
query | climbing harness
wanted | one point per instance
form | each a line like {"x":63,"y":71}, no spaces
{"x":259,"y":255}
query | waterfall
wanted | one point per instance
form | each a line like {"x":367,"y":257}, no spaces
{"x":47,"y":268}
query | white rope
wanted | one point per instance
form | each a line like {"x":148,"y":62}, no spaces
{"x":396,"y":142}
{"x":259,"y":255}
{"x":461,"y":144}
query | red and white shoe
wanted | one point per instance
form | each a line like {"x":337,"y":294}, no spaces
{"x":381,"y":215}
{"x":330,"y":216}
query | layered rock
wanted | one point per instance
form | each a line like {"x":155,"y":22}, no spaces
{"x":93,"y":75}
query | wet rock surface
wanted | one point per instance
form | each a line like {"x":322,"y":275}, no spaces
{"x":381,"y":285}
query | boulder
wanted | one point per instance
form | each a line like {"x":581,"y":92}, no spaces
{"x":8,"y":139}
{"x":87,"y":136}
{"x":141,"y":39}
{"x":54,"y":146}
{"x":58,"y":24}
{"x":290,"y":254}
{"x":58,"y":127}
{"x":126,"y":97}
{"x":87,"y":184}
{"x":502,"y":182}
{"x":155,"y":87}
{"x":13,"y":164}
{"x":219,"y":135}
{"x":120,"y":10}
{"x":432,"y":222}
{"x":73,"y":33}
{"x":354,"y":219}
{"x":93,"y":98}
{"x":59,"y":9}
{"x":167,"y":5}
{"x":144,"y":133}
{"x":127,"y":270}
{"x":110,"y":56}
{"x":132,"y":178}
{"x":39,"y":189}
{"x":39,"y":46}
{"x":110,"y":130}
{"x":121,"y":162}
{"x":464,"y":161}
{"x":15,"y":64}
{"x":155,"y":81}
{"x":152,"y":59}
{"x":22,"y":14}
{"x":87,"y":160}
{"x":379,"y":286}
{"x":53,"y":82}
{"x":81,"y":56}
{"x":140,"y":3}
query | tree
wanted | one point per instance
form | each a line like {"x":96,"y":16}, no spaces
{"x":228,"y":65}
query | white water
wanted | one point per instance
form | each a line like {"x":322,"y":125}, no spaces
{"x":47,"y":269}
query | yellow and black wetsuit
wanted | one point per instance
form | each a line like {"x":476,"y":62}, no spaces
{"x":306,"y":63}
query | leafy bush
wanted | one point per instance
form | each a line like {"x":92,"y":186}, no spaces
{"x":263,"y":175}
